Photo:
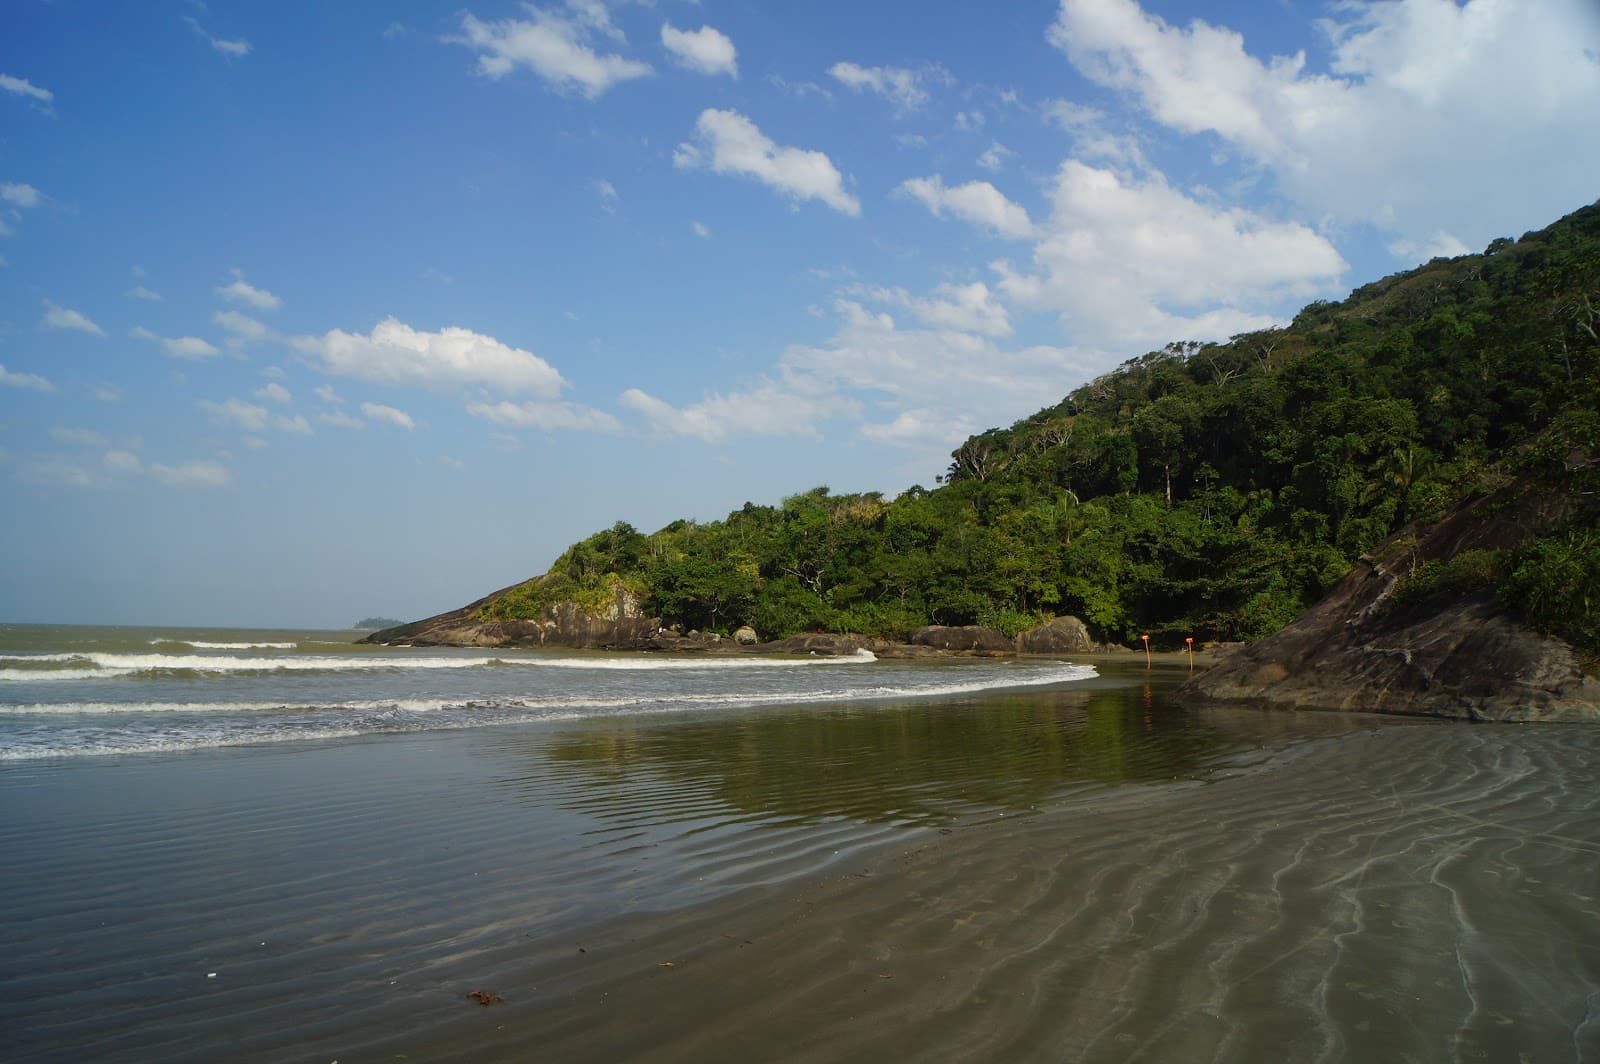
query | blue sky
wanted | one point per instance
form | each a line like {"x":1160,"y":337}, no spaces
{"x":310,"y":311}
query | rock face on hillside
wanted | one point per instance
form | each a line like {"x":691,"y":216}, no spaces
{"x":621,"y":626}
{"x":1446,"y":655}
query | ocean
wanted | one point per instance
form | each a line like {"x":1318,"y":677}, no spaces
{"x":83,"y":692}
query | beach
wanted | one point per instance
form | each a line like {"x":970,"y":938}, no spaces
{"x":1074,"y":869}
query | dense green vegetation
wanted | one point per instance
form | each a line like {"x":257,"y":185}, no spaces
{"x":1213,"y":490}
{"x":375,"y":623}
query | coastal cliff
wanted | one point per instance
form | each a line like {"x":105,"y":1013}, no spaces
{"x":618,"y":625}
{"x":1417,"y":628}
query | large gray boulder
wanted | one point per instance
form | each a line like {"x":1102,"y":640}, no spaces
{"x":970,"y":637}
{"x":1061,"y":635}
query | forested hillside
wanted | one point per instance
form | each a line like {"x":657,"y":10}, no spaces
{"x":1213,"y":490}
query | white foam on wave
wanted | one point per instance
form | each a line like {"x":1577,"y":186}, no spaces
{"x":201,"y":644}
{"x":107,"y":666}
{"x":379,"y":716}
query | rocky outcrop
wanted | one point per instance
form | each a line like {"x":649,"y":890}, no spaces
{"x":746,"y":636}
{"x":1062,"y":635}
{"x":970,"y":637}
{"x":621,"y":626}
{"x":1364,"y":648}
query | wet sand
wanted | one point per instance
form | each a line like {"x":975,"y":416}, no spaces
{"x":1406,"y":893}
{"x":1090,"y":873}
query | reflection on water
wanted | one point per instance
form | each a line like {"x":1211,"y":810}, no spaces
{"x":899,"y":762}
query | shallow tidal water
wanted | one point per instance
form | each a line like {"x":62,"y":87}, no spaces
{"x":961,"y":861}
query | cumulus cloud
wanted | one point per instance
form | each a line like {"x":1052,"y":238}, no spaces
{"x":29,"y":381}
{"x":791,"y":405}
{"x":977,"y":202}
{"x":966,"y":308}
{"x":188,"y":347}
{"x":555,"y":45}
{"x":252,"y":417}
{"x":1138,"y":262}
{"x":1396,"y":134}
{"x":729,"y":143}
{"x":273,"y":392}
{"x":395,"y":353}
{"x":201,"y":473}
{"x":546,"y":415}
{"x":701,"y":230}
{"x":56,"y":317}
{"x":77,"y":437}
{"x":341,"y":420}
{"x":23,"y":87}
{"x":241,"y":325}
{"x":705,"y":50}
{"x":240,"y":291}
{"x":379,"y":412}
{"x":994,"y":158}
{"x":139,"y":291}
{"x":899,"y":86}
{"x":20,"y":195}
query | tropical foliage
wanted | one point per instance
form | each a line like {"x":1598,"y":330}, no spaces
{"x":1213,"y":490}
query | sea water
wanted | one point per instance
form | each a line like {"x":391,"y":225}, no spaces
{"x":82,"y":691}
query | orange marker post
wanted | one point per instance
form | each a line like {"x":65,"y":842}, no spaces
{"x":1188,"y":642}
{"x":1146,"y":638}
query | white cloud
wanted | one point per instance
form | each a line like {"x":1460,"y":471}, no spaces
{"x":53,"y":471}
{"x":555,"y":46}
{"x":23,"y":87}
{"x":273,"y":392}
{"x":1440,"y":245}
{"x":1130,"y":263}
{"x":792,"y":405}
{"x":994,"y":159}
{"x":233,"y":49}
{"x":30,"y":381}
{"x":701,"y":230}
{"x":57,"y":472}
{"x":139,"y":291}
{"x":20,"y":195}
{"x":735,"y":146}
{"x":326,"y":393}
{"x":339,"y":419}
{"x":977,"y":202}
{"x":199,"y":474}
{"x":78,"y":437}
{"x":1431,"y":114}
{"x":61,"y":318}
{"x":188,"y":347}
{"x":379,"y":412}
{"x":965,"y":308}
{"x":901,"y":87}
{"x":395,"y":353}
{"x":241,"y":291}
{"x":241,"y":325}
{"x":105,"y":393}
{"x":969,"y":121}
{"x":705,"y":50}
{"x":608,"y":195}
{"x":253,"y":418}
{"x":547,"y":416}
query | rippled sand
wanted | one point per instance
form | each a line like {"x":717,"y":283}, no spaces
{"x":1412,"y":893}
{"x":1090,"y":873}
